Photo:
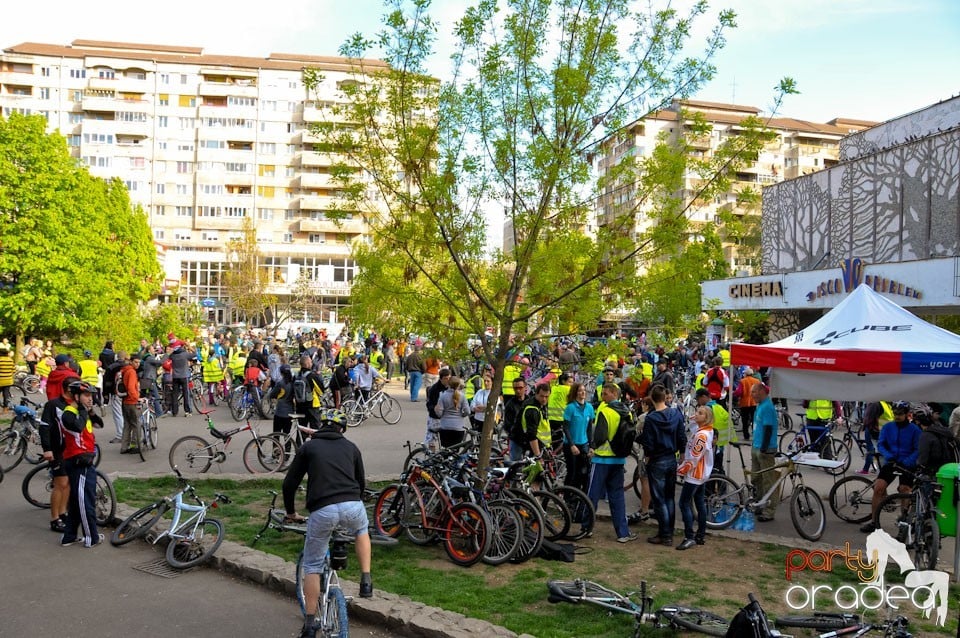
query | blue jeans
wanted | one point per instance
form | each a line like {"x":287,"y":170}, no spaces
{"x":350,"y":515}
{"x":871,"y":450}
{"x":691,"y":495}
{"x":662,"y":475}
{"x":607,"y":480}
{"x":416,"y":380}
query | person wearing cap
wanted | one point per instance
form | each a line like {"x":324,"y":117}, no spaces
{"x":57,"y":375}
{"x":748,"y":405}
{"x":51,"y":442}
{"x":763,"y":453}
{"x":664,"y":376}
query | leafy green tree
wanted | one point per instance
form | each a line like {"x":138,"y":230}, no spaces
{"x":246,"y":280}
{"x":72,"y":248}
{"x":537,"y":86}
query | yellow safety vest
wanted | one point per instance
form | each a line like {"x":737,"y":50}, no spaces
{"x":557,"y":402}
{"x":510,"y":373}
{"x":43,"y":369}
{"x":212,"y":370}
{"x":613,"y":422}
{"x":470,"y":387}
{"x":725,"y":357}
{"x":377,"y":361}
{"x":88,"y":371}
{"x":647,"y":370}
{"x":887,"y":415}
{"x":819,"y":410}
{"x":543,"y":429}
{"x":237,"y":363}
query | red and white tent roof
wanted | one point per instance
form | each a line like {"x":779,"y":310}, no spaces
{"x":867,"y":348}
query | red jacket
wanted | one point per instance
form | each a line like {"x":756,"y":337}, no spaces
{"x":55,"y":381}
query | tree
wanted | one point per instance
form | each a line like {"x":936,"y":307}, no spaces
{"x":537,"y":86}
{"x":72,"y":248}
{"x":245,"y":279}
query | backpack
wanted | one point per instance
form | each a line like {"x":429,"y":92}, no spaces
{"x":119,"y":387}
{"x":300,"y":390}
{"x":750,"y":622}
{"x":713,"y":382}
{"x":304,"y":393}
{"x":949,"y":448}
{"x":110,"y":378}
{"x":622,"y":442}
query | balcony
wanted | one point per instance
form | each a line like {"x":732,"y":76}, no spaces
{"x":226,"y":89}
{"x":700,"y":142}
{"x":306,"y":137}
{"x":132,"y":129}
{"x":101,"y":103}
{"x":315,"y":180}
{"x":347,"y":226}
{"x":218,"y":223}
{"x":320,"y":202}
{"x":323,"y":114}
{"x":20,"y":78}
{"x":316,"y":158}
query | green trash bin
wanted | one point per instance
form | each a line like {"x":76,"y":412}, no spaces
{"x":948,"y":477}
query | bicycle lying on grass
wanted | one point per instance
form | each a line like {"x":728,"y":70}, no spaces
{"x":192,"y":541}
{"x":847,"y":625}
{"x":669,"y":616}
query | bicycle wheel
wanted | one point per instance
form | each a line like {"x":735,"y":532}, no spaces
{"x":191,"y":454}
{"x":334,"y":623}
{"x":105,"y":499}
{"x":822,"y":622}
{"x":31,"y":384}
{"x":388,"y":513}
{"x":696,"y":620}
{"x":154,"y":430}
{"x":807,"y":513}
{"x":417,"y":453}
{"x":920,"y":534}
{"x":198,"y":546}
{"x":13,"y":447}
{"x":390,"y":410}
{"x":355,"y":415}
{"x":785,"y":421}
{"x":263,"y":455}
{"x":583,"y":514}
{"x":237,"y":406}
{"x":37,"y":486}
{"x":632,"y":474}
{"x":792,"y":442}
{"x":837,"y":450}
{"x":724,"y":500}
{"x":927,"y":542}
{"x":850,"y":499}
{"x":506,"y":532}
{"x":139,"y":523}
{"x":34,"y":453}
{"x":532,"y":530}
{"x":421,"y":523}
{"x":556,"y":515}
{"x":467,"y":535}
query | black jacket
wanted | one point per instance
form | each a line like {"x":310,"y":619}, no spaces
{"x":433,"y":398}
{"x":334,"y":469}
{"x":933,"y":449}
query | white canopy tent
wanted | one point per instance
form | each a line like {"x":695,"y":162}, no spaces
{"x":866,"y":349}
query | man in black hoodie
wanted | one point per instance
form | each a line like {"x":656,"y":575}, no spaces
{"x":333,"y":466}
{"x":662,"y":437}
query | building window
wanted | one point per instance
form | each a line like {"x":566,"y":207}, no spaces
{"x":265,"y":214}
{"x":316,"y":238}
{"x":162,"y":121}
{"x":288,"y":238}
{"x":45,"y":71}
{"x":164,"y":78}
{"x":78,"y":73}
{"x":211,"y":189}
{"x":184,"y":167}
{"x":73,"y":140}
{"x":96,"y":161}
{"x":184,"y":211}
{"x":131,"y":185}
{"x":158,"y":232}
{"x":186,"y":123}
{"x":185,"y":147}
{"x":44,"y":93}
{"x":106,"y":74}
{"x":290,"y":171}
{"x":97,"y":138}
{"x":138,"y":162}
{"x":161,"y":189}
{"x":241,"y":101}
{"x":183,"y":189}
{"x":268,"y":148}
{"x":183,"y":78}
{"x":162,"y":146}
{"x":289,"y":214}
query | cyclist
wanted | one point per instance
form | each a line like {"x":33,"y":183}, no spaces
{"x":819,"y":413}
{"x":77,"y":421}
{"x":899,"y":445}
{"x":333,"y":466}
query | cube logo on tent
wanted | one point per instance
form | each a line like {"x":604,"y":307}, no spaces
{"x":796,"y":359}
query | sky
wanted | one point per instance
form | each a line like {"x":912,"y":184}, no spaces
{"x":861,"y":59}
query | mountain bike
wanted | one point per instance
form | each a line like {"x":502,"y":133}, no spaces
{"x":147,"y":420}
{"x":192,"y":541}
{"x":194,"y":453}
{"x":726,"y":499}
{"x":38,"y":484}
{"x":22,"y":439}
{"x":847,"y":625}
{"x":911,"y":518}
{"x":378,"y":402}
{"x":245,"y":401}
{"x":826,"y":445}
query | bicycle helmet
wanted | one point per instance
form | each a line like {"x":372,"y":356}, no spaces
{"x":922,"y":414}
{"x":901,"y":406}
{"x":334,"y":417}
{"x":77,"y":386}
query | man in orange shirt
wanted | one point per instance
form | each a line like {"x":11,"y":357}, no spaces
{"x":128,"y":390}
{"x":748,"y":405}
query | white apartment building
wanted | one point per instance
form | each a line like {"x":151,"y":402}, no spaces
{"x":800,"y":147}
{"x":202,"y":142}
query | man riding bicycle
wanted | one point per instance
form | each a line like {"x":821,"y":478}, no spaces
{"x":899,"y":445}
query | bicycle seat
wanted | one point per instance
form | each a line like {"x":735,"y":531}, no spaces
{"x":339,"y":536}
{"x":558,"y":595}
{"x":297,"y":416}
{"x":206,"y":412}
{"x":741,"y":443}
{"x":223,"y":436}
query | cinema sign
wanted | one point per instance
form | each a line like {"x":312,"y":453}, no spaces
{"x":757,"y":289}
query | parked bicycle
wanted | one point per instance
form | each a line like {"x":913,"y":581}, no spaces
{"x":911,"y":518}
{"x":26,"y":382}
{"x":191,"y":542}
{"x":37,"y":486}
{"x":196,"y":454}
{"x":147,"y":420}
{"x":726,"y":499}
{"x":22,"y":439}
{"x":847,"y":625}
{"x":825,"y":444}
{"x":377,"y":403}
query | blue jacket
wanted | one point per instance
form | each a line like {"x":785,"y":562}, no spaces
{"x":900,"y":443}
{"x":663,"y":433}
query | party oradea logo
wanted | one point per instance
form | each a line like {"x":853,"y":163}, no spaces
{"x":923,"y":589}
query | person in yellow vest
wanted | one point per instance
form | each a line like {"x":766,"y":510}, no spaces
{"x":90,"y":372}
{"x":377,"y":360}
{"x":724,"y":355}
{"x":647,"y":367}
{"x":44,"y":365}
{"x":533,"y":419}
{"x":7,"y":371}
{"x":559,"y":395}
{"x":510,"y":372}
{"x":606,"y":477}
{"x":819,"y":413}
{"x":212,"y":375}
{"x":236,"y":362}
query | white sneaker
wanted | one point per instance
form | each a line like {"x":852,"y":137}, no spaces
{"x":98,"y":543}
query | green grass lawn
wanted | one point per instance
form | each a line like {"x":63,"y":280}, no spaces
{"x":515,"y":596}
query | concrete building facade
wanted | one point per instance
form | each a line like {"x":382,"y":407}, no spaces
{"x":204,"y":142}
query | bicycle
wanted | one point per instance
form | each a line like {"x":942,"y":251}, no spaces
{"x":261,"y":453}
{"x":22,"y":439}
{"x":359,"y":409}
{"x":911,"y":518}
{"x":38,"y":484}
{"x":826,"y":445}
{"x":847,"y":625}
{"x":726,"y":499}
{"x":853,"y":434}
{"x":147,"y":422}
{"x":669,"y":616}
{"x":192,"y":542}
{"x":26,"y":382}
{"x":245,"y":400}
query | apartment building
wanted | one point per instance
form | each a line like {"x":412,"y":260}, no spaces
{"x":204,"y":142}
{"x":799,"y":148}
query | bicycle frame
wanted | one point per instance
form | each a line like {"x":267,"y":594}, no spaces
{"x":179,"y":506}
{"x":754,"y":503}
